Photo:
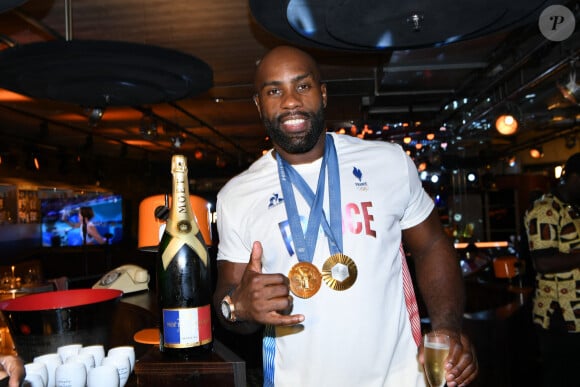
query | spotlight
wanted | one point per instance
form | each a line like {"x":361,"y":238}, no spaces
{"x":537,"y":152}
{"x":33,"y":160}
{"x":177,"y":141}
{"x":148,"y":127}
{"x":198,"y":154}
{"x":507,"y":121}
{"x":95,"y":115}
{"x":506,"y":124}
{"x":571,"y":90}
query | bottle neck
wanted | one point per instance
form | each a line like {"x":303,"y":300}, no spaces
{"x":180,"y":204}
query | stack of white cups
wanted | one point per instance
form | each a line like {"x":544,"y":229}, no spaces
{"x":74,"y":365}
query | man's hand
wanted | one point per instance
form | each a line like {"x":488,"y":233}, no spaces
{"x":461,"y":366}
{"x":12,"y":366}
{"x":263,"y":298}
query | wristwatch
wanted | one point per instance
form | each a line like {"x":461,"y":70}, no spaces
{"x":228,"y":309}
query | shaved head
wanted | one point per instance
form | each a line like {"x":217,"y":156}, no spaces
{"x":280,"y":56}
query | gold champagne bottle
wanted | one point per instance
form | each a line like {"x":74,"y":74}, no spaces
{"x":183,"y":276}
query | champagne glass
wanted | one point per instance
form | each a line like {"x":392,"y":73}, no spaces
{"x":436,"y":347}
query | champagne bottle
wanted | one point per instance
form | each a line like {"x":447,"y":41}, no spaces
{"x":183,"y":276}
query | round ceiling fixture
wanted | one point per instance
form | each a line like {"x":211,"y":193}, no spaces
{"x":390,"y":24}
{"x":102,"y":73}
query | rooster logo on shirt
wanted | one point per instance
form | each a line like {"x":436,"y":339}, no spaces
{"x":275,"y":199}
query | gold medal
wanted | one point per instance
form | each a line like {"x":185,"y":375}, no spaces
{"x":305,"y":279}
{"x":339,"y":272}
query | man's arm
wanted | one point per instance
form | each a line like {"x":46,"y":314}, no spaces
{"x":438,"y":273}
{"x":441,"y":285}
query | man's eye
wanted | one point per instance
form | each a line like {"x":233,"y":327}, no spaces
{"x":303,"y":87}
{"x":273,"y":92}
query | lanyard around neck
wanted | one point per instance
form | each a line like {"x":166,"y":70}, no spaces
{"x":289,"y":177}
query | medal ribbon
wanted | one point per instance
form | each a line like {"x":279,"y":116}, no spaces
{"x":305,"y":245}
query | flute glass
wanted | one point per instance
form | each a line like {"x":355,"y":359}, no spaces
{"x":436,"y":350}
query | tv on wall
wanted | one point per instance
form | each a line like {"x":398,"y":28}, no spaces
{"x":60,"y":223}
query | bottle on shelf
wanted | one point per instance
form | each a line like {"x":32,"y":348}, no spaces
{"x":183,"y":276}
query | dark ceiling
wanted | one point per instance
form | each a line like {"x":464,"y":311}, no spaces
{"x":441,"y":64}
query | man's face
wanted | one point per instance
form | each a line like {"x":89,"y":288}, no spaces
{"x":291,"y":103}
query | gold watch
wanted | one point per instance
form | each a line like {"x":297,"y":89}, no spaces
{"x":228,"y":309}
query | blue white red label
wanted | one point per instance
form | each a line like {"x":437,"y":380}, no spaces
{"x":187,"y":327}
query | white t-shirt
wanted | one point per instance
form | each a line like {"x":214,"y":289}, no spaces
{"x":356,"y":337}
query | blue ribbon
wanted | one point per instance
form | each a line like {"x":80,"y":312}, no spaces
{"x":306,"y":244}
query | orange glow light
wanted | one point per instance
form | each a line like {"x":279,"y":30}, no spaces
{"x":506,"y":124}
{"x":8,"y":96}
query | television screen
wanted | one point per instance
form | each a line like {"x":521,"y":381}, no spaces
{"x":62,"y":222}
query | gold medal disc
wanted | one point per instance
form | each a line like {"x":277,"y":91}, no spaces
{"x":305,"y":279}
{"x":339,"y":272}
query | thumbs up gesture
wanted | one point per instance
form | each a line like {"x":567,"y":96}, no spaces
{"x":263,"y":298}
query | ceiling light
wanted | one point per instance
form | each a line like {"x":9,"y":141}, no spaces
{"x":95,"y":115}
{"x":471,"y":177}
{"x":407,"y":139}
{"x":148,"y":127}
{"x":198,"y":154}
{"x":558,"y":171}
{"x":506,"y":124}
{"x":177,"y":141}
{"x":537,"y":152}
{"x":571,"y":90}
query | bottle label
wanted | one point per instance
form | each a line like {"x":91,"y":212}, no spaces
{"x":187,"y":327}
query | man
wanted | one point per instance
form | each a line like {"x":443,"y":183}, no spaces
{"x":553,"y":231}
{"x":321,"y":218}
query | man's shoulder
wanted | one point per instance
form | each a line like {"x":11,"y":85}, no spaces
{"x":544,"y":204}
{"x":349,"y":145}
{"x":250,"y":179}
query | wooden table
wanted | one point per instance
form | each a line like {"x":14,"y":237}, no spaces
{"x":221,"y":368}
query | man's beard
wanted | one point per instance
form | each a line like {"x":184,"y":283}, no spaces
{"x":300,"y":143}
